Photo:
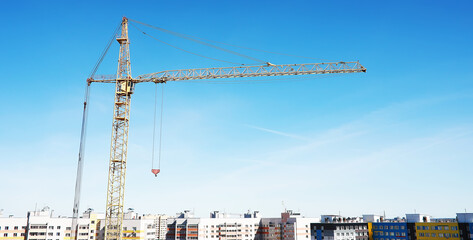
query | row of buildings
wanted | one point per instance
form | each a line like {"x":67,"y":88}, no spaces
{"x":41,"y":225}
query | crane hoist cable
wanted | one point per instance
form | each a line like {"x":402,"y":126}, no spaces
{"x":195,"y":38}
{"x":104,"y":52}
{"x":155,"y":171}
{"x":200,"y":55}
{"x":199,"y":41}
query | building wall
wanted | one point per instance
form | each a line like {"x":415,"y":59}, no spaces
{"x":213,"y":228}
{"x":437,"y":230}
{"x":12,"y":228}
{"x":471,"y":230}
{"x":340,"y":231}
{"x":389,"y":231}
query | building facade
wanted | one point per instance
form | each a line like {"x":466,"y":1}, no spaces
{"x":12,"y":228}
{"x":340,"y":231}
{"x":390,"y":231}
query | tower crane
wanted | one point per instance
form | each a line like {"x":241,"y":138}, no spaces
{"x":124,"y":88}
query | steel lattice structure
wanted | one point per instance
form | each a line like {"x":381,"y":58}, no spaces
{"x":244,"y":71}
{"x":119,"y":146}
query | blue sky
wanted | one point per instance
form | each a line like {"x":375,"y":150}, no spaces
{"x":397,"y":138}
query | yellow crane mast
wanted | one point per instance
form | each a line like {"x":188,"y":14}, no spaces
{"x":124,"y":87}
{"x":119,"y":143}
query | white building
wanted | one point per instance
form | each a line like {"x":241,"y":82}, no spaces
{"x":222,"y":226}
{"x":12,"y":228}
{"x":42,"y":226}
{"x":416,"y":217}
{"x":248,"y":226}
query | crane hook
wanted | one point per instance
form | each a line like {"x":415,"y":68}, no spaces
{"x":155,"y":172}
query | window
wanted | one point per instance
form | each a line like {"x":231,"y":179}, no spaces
{"x":446,"y":227}
{"x":5,"y":234}
{"x":6,"y":227}
{"x":59,"y":227}
{"x":16,"y":228}
{"x":58,"y":234}
{"x":15,"y":234}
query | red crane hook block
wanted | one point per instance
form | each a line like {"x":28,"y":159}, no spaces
{"x":155,"y":172}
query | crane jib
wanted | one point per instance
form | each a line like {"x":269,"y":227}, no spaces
{"x":243,"y":71}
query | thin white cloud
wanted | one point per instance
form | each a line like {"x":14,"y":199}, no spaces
{"x":279,"y":133}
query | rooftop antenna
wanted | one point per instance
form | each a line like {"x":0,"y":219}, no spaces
{"x":284,"y":206}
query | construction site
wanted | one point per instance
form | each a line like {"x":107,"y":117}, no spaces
{"x":242,"y":119}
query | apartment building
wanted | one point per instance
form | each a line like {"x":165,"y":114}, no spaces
{"x":12,"y":228}
{"x":42,"y":226}
{"x":291,"y":226}
{"x":221,"y":226}
{"x":139,"y":227}
{"x":465,"y":224}
{"x":340,"y":231}
{"x":389,"y":230}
